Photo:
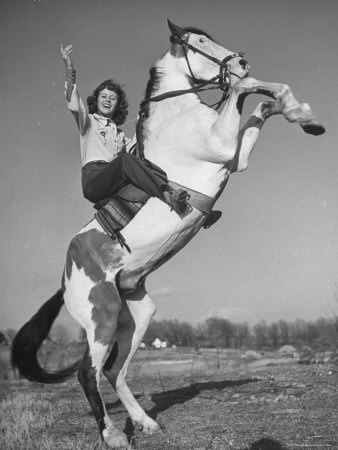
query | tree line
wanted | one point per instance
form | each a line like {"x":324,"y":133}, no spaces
{"x":218,"y":332}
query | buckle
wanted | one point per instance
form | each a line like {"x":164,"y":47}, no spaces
{"x":185,"y":37}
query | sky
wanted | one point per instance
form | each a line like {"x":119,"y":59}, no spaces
{"x":274,"y":253}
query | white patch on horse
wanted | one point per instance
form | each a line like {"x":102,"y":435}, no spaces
{"x":98,"y":352}
{"x":77,"y":290}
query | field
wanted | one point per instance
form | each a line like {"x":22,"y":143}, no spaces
{"x":203,"y":400}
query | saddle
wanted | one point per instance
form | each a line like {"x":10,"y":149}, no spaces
{"x":114,"y":213}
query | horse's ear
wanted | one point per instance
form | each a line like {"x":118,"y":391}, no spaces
{"x":175,"y":29}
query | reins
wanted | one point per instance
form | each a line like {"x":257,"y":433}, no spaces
{"x":171,"y":94}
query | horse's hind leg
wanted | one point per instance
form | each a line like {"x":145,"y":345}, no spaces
{"x":100,"y":334}
{"x":133,"y":322}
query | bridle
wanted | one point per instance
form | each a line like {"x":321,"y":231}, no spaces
{"x":221,"y":81}
{"x":223,"y":77}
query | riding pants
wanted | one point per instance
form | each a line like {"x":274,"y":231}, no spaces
{"x":101,"y":179}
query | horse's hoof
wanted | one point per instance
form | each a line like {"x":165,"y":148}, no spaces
{"x":115,"y":439}
{"x":148,"y":426}
{"x":314,"y":128}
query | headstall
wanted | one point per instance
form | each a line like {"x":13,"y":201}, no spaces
{"x":221,"y":81}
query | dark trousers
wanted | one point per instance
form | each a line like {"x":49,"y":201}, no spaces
{"x":101,"y":180}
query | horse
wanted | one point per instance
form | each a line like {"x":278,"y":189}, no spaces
{"x":198,"y":147}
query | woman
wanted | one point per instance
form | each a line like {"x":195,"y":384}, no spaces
{"x":106,"y":164}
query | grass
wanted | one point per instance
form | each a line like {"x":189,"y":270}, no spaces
{"x":244,"y":406}
{"x":27,"y":423}
{"x":24,"y":417}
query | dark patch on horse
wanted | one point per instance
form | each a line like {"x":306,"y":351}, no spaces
{"x":111,"y":358}
{"x":265,"y":92}
{"x":240,"y":102}
{"x":106,"y":308}
{"x":63,"y":286}
{"x":68,"y":269}
{"x":94,"y":252}
{"x":87,"y":378}
{"x":122,"y":345}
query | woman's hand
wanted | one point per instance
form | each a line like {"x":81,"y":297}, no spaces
{"x":65,"y":53}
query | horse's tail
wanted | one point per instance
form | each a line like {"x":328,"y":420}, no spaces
{"x":29,"y":339}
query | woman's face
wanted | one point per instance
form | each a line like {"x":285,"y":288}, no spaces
{"x":107,"y":102}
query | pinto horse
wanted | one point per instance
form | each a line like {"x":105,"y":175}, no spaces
{"x":103,"y":284}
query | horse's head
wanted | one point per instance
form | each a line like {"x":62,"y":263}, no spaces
{"x":203,"y":58}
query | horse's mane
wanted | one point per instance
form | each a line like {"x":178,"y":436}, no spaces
{"x":152,"y":84}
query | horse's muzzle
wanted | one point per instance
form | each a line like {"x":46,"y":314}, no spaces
{"x":244,"y":64}
{"x":240,"y":68}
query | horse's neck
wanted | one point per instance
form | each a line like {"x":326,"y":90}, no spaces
{"x":178,"y":133}
{"x":172,"y":77}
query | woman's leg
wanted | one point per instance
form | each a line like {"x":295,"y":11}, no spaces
{"x":101,"y":181}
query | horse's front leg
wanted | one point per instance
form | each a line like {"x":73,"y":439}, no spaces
{"x":134,"y":320}
{"x":100,"y":329}
{"x":292,"y":110}
{"x":250,"y":131}
{"x":226,"y":127}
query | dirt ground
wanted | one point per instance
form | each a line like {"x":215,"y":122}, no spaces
{"x":268,"y":403}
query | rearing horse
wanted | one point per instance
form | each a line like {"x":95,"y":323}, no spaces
{"x":103,"y":285}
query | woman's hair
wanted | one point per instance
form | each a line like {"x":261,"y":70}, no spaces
{"x":121,"y":110}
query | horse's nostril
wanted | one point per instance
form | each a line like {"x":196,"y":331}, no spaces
{"x":243,"y":63}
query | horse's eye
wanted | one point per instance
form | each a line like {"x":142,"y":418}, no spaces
{"x":202,"y":40}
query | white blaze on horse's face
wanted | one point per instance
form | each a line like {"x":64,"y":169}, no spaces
{"x":204,"y":69}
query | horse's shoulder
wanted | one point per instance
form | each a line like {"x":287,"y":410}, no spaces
{"x":202,"y":115}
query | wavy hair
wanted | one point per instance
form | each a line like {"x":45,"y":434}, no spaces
{"x":121,"y":110}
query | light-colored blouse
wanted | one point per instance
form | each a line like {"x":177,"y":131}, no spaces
{"x":100,"y":139}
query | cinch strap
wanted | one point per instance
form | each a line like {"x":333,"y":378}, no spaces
{"x":197,"y":200}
